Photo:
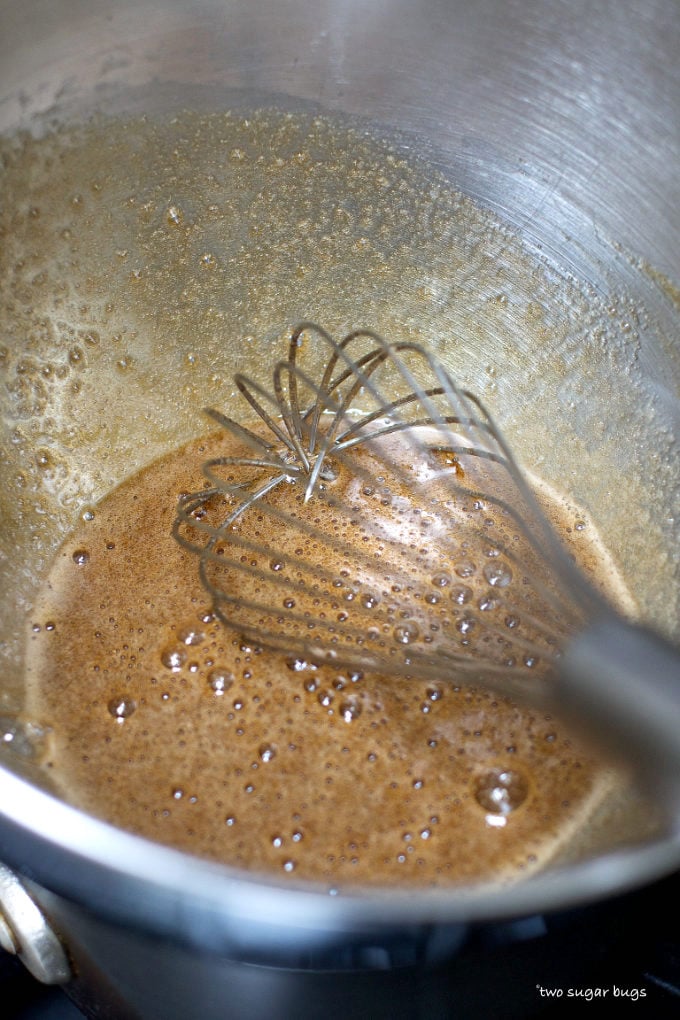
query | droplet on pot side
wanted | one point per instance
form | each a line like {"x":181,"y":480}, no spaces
{"x":174,"y":215}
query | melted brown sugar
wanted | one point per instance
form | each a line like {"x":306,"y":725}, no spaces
{"x":170,"y":725}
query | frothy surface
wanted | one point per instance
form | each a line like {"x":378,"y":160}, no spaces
{"x":170,"y":725}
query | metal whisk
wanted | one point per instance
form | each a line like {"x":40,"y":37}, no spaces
{"x":377,"y":519}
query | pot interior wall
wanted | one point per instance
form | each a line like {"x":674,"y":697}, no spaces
{"x":509,"y":250}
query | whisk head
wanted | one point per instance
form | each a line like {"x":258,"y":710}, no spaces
{"x":375,"y":517}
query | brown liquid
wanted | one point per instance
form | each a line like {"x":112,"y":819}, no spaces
{"x":169,"y":724}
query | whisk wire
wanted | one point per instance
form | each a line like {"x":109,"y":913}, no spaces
{"x":347,"y":407}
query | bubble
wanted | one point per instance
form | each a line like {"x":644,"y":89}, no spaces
{"x":407,"y":632}
{"x":466,"y":625}
{"x":246,"y":645}
{"x":121,"y":708}
{"x":289,"y":866}
{"x":277,"y":842}
{"x":501,"y":791}
{"x":173,"y":658}
{"x":487,"y":603}
{"x":297,"y":836}
{"x":267,"y":752}
{"x":441,"y":579}
{"x":230,"y":820}
{"x":190,"y":636}
{"x":435,"y":692}
{"x":325,"y":698}
{"x":369,"y":600}
{"x":425,"y":833}
{"x":466,"y":568}
{"x":350,"y":709}
{"x":81,"y":557}
{"x":220,"y":680}
{"x":276,"y":565}
{"x":87,"y":515}
{"x":498,"y":574}
{"x":288,"y":603}
{"x":512,"y":621}
{"x":461,"y":594}
{"x":418,"y":784}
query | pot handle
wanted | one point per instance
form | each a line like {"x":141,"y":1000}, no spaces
{"x":622,"y":683}
{"x":25,"y":931}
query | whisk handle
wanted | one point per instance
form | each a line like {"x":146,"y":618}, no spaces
{"x":623,"y":683}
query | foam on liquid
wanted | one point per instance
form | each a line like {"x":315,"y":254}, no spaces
{"x":124,"y":241}
{"x":170,"y":725}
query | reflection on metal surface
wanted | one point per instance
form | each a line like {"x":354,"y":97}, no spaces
{"x":24,"y":931}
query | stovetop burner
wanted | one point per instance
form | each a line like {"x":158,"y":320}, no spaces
{"x":640,"y":976}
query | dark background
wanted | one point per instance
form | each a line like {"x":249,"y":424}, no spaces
{"x":646,"y":955}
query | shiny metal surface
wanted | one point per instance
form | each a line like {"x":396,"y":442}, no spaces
{"x":26,"y":932}
{"x":566,"y":109}
{"x":563,"y":118}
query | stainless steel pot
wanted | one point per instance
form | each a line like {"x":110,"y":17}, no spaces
{"x":563,"y":120}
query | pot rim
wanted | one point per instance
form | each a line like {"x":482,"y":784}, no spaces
{"x":132,"y":880}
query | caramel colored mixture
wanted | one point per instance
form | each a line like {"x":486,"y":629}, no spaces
{"x":169,"y":724}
